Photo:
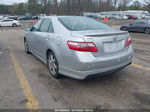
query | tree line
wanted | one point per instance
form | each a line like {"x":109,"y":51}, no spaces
{"x":71,"y":7}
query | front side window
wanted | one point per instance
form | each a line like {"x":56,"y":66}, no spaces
{"x":81,"y":23}
{"x":45,"y":25}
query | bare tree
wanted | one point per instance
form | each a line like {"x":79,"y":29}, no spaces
{"x":147,"y":5}
{"x":115,"y":2}
{"x":56,"y":7}
{"x":123,"y":4}
{"x":147,"y":2}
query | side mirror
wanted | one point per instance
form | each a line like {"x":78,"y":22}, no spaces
{"x":27,"y":29}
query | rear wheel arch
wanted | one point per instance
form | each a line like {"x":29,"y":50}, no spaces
{"x":25,"y":39}
{"x":14,"y":25}
{"x":26,"y":46}
{"x":56,"y":75}
{"x":147,"y":28}
{"x":48,"y":50}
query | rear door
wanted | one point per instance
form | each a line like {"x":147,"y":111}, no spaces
{"x":135,"y":26}
{"x":9,"y":22}
{"x":143,"y":25}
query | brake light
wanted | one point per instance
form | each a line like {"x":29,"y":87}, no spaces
{"x":128,"y":42}
{"x":82,"y":46}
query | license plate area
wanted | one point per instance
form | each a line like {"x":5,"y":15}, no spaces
{"x":113,"y":46}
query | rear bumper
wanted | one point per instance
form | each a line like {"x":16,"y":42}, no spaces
{"x":86,"y":65}
{"x":108,"y":72}
{"x":90,"y":73}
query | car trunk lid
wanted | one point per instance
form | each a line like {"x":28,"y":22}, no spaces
{"x":109,"y":42}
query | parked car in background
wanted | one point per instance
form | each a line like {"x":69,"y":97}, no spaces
{"x":90,"y":16}
{"x":146,"y":17}
{"x":1,"y":17}
{"x":9,"y":22}
{"x":84,"y":47}
{"x":125,"y":17}
{"x":35,"y":17}
{"x":102,"y":16}
{"x":137,"y":26}
{"x":24,"y":18}
{"x":13,"y":17}
{"x":131,"y":17}
{"x":41,"y":15}
{"x":120,"y":17}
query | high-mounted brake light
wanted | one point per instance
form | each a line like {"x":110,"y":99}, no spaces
{"x":128,"y":42}
{"x":82,"y":46}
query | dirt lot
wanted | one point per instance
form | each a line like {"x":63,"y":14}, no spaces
{"x":24,"y":79}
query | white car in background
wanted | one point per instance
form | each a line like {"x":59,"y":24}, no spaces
{"x":9,"y":22}
{"x":1,"y":17}
{"x":120,"y":17}
{"x":125,"y":17}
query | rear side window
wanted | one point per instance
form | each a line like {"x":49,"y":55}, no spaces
{"x":45,"y":25}
{"x":136,"y":22}
{"x":144,"y":22}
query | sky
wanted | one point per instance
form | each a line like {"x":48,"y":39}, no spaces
{"x":10,"y":2}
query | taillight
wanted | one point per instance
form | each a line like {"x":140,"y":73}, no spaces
{"x":128,"y":42}
{"x":82,"y":46}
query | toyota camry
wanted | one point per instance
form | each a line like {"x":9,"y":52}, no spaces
{"x":78,"y":47}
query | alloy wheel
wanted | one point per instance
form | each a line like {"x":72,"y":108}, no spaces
{"x":26,"y":47}
{"x":53,"y":65}
{"x":14,"y":25}
{"x":147,"y":30}
{"x":124,"y":29}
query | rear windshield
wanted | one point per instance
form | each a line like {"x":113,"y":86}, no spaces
{"x":81,"y":23}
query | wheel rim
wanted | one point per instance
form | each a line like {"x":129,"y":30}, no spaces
{"x":52,"y":64}
{"x":147,"y":31}
{"x":26,"y":46}
{"x":14,"y":25}
{"x":124,"y":28}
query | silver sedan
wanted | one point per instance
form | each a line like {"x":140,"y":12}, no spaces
{"x":78,"y":47}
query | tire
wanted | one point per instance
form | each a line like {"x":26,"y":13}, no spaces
{"x":14,"y":25}
{"x":147,"y":31}
{"x":52,"y":64}
{"x":124,"y":29}
{"x":26,"y":47}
